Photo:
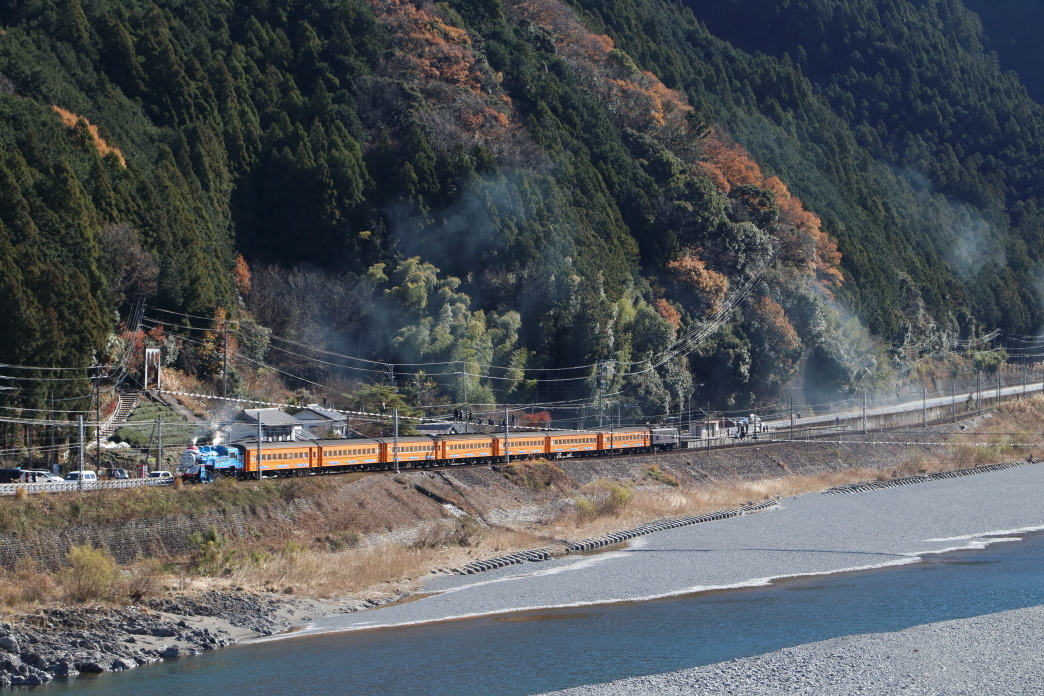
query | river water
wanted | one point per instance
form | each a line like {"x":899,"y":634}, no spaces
{"x":532,"y":652}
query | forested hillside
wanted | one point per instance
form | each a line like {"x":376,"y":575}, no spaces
{"x":1013,"y":30}
{"x":512,"y":200}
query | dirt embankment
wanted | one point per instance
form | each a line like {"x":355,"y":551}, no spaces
{"x":335,"y":513}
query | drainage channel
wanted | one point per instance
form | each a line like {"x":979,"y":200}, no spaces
{"x":547,"y":553}
{"x":910,"y":480}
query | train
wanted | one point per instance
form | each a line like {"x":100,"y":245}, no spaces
{"x":304,"y":457}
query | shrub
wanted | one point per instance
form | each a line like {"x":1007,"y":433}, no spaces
{"x":144,"y":580}
{"x":27,"y":583}
{"x":340,"y":541}
{"x":657,"y":474}
{"x":92,"y":574}
{"x":212,"y":556}
{"x":463,"y":531}
{"x":602,"y":498}
{"x":539,"y":475}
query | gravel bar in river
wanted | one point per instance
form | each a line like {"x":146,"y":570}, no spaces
{"x":999,"y":653}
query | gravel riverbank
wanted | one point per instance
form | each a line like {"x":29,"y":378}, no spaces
{"x":995,"y":654}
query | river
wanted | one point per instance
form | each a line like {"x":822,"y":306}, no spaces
{"x":934,"y":551}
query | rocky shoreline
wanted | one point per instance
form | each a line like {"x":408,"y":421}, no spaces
{"x":55,"y":643}
{"x":62,"y":643}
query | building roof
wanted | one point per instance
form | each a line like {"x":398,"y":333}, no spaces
{"x":441,"y":428}
{"x":269,"y":416}
{"x":321,"y":412}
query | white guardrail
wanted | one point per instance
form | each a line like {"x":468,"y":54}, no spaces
{"x":74,"y":486}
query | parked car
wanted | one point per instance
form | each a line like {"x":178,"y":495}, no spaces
{"x":119,"y":474}
{"x":87,"y":476}
{"x":44,"y":476}
{"x":11,"y":475}
{"x":165,"y":475}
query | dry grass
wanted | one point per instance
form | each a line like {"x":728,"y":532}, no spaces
{"x":1014,"y":431}
{"x":648,"y":504}
{"x":372,"y":572}
{"x":323,"y":574}
{"x":176,"y":380}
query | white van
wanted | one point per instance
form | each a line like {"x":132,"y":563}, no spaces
{"x":87,"y":476}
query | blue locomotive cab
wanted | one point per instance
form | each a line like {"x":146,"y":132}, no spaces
{"x":207,"y":462}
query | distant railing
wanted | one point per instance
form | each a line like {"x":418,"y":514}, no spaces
{"x":74,"y":486}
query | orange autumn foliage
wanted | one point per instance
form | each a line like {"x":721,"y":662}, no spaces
{"x":536,"y":420}
{"x":729,"y":164}
{"x":669,"y":313}
{"x":781,"y":337}
{"x":826,"y":259}
{"x":71,"y":120}
{"x":690,"y":270}
{"x":438,"y":58}
{"x":241,"y":275}
{"x":640,"y":101}
{"x":637,"y":99}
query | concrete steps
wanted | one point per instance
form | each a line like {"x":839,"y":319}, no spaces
{"x":127,"y":401}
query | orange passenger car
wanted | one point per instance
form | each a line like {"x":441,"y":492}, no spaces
{"x":336,"y":453}
{"x":624,"y":439}
{"x":411,"y":449}
{"x":477,"y":446}
{"x":571,"y":442}
{"x":280,"y":456}
{"x":522,"y":444}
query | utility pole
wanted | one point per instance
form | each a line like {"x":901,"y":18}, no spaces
{"x":864,"y":413}
{"x":791,"y":416}
{"x":224,"y":360}
{"x":97,"y":420}
{"x":53,"y":457}
{"x":507,"y":437}
{"x":599,"y":393}
{"x":464,"y":387}
{"x":259,"y":475}
{"x":924,"y":407}
{"x":396,"y":441}
{"x":998,"y":388}
{"x":159,"y":442}
{"x":953,"y":400}
{"x":978,"y":391}
{"x":79,"y":428}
